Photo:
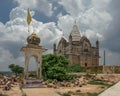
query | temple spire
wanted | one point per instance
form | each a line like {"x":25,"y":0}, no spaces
{"x":75,"y":34}
{"x":75,"y":22}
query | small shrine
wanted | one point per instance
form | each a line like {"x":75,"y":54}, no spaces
{"x":32,"y":49}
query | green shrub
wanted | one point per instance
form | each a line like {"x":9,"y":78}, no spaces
{"x":1,"y":73}
{"x":102,"y":87}
{"x":50,"y":80}
{"x":92,"y":94}
{"x":16,"y":69}
{"x":98,"y":83}
{"x":78,"y":91}
{"x":3,"y":94}
{"x":75,"y":68}
{"x":24,"y":94}
{"x":54,"y":67}
{"x":66,"y":94}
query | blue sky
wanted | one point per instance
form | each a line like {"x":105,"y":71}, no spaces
{"x":7,"y":5}
{"x":5,"y":8}
{"x":97,"y":19}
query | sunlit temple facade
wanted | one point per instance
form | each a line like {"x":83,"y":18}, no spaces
{"x":78,"y":49}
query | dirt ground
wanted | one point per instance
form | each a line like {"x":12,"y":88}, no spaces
{"x":54,"y":92}
{"x":15,"y":91}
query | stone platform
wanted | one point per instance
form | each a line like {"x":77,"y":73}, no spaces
{"x":33,"y":84}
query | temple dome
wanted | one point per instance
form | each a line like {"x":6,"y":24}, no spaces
{"x":33,"y":39}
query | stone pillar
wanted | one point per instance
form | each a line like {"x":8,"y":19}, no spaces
{"x":26,"y":65}
{"x":40,"y":67}
{"x":37,"y":68}
{"x":37,"y":65}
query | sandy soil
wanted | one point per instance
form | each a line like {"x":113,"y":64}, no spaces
{"x":53,"y":92}
{"x":14,"y":91}
{"x":84,"y":89}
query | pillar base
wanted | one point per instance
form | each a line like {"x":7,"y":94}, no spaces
{"x":33,"y":83}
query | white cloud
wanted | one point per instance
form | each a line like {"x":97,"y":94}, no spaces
{"x":91,"y":16}
{"x":101,"y":4}
{"x":39,"y":5}
{"x":92,"y":35}
{"x":7,"y":58}
{"x":65,"y":23}
{"x":15,"y":34}
{"x":17,"y":28}
{"x":74,"y":8}
{"x":27,"y":3}
{"x":90,"y":19}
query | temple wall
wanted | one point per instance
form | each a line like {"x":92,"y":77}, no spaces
{"x":111,"y":69}
{"x":104,"y":69}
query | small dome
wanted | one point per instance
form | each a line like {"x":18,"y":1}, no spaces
{"x":33,"y":39}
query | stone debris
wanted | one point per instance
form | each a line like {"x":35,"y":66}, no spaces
{"x":7,"y":82}
{"x":77,"y":82}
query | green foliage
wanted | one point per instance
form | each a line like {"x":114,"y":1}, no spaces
{"x":92,"y":94}
{"x":78,"y":90}
{"x":91,"y":72}
{"x":75,"y":68}
{"x":24,"y":94}
{"x":99,"y":83}
{"x":3,"y":94}
{"x":32,"y":74}
{"x":66,"y":94}
{"x":54,"y":67}
{"x":1,"y":73}
{"x":16,"y":69}
{"x":71,"y":77}
{"x":50,"y":80}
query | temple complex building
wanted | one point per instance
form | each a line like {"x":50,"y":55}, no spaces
{"x":78,"y":49}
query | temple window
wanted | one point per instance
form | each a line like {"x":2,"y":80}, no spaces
{"x":85,"y":50}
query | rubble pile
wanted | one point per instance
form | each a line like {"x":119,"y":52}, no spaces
{"x":7,"y":82}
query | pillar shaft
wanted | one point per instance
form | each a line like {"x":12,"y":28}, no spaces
{"x":40,"y":67}
{"x":26,"y":66}
{"x":37,"y":70}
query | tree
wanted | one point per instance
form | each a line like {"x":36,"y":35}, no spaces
{"x":1,"y":73}
{"x":54,"y":67}
{"x":16,"y":69}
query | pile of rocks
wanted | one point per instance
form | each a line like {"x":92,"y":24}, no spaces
{"x":77,"y":82}
{"x":108,"y":78}
{"x":6,"y":82}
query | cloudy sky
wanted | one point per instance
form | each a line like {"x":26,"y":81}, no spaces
{"x":97,"y":19}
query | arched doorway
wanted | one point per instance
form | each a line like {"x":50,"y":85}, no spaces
{"x":85,"y":64}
